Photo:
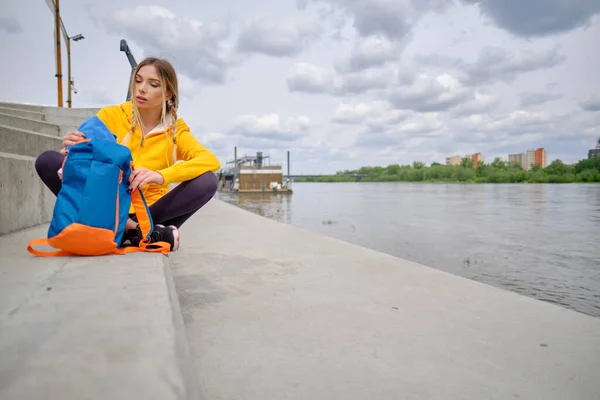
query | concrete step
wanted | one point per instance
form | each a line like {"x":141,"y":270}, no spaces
{"x":54,"y":115}
{"x":21,"y":106}
{"x":30,"y":125}
{"x":106,"y":327}
{"x":34,"y":115}
{"x":26,"y":201}
{"x":79,"y":111}
{"x":26,"y":143}
{"x":66,"y":121}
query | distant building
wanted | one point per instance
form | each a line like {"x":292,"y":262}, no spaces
{"x":456,"y":160}
{"x":593,"y":153}
{"x":516,"y":159}
{"x":453,"y":160}
{"x":540,"y":157}
{"x":477,"y":158}
{"x":528,"y":159}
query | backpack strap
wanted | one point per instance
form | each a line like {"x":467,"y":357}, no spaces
{"x":144,"y":218}
{"x":57,"y":253}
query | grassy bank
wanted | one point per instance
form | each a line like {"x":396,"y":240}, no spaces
{"x":498,"y":171}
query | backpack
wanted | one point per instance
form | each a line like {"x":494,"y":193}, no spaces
{"x":92,"y":206}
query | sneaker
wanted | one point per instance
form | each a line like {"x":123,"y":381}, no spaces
{"x":160,"y":233}
{"x":169,"y":234}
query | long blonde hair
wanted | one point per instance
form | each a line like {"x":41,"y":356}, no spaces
{"x":168,"y":77}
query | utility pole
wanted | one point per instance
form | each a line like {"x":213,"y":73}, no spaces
{"x":58,"y":54}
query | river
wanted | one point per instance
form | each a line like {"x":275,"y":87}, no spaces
{"x":541,"y":241}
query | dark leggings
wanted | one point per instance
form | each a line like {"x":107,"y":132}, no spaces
{"x":174,"y":208}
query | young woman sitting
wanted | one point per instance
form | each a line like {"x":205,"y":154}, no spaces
{"x":163,"y":150}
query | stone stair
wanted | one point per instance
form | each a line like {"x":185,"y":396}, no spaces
{"x":25,"y":132}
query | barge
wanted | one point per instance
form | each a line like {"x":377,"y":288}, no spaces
{"x":254,"y":174}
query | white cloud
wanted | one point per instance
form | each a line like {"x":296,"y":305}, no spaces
{"x":277,"y":38}
{"x":199,"y":48}
{"x":495,"y":64}
{"x":430,"y":93}
{"x":592,"y":104}
{"x":270,"y":127}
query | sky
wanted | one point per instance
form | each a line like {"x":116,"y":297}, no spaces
{"x":340,"y":84}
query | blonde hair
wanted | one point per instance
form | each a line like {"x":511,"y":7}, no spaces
{"x":168,"y":78}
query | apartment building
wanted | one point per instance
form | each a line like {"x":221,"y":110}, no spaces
{"x":516,"y":159}
{"x":456,"y":160}
{"x":540,"y":157}
{"x":477,"y":158}
{"x":453,"y":160}
{"x":526,"y":160}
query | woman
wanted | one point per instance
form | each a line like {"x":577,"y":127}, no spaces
{"x":149,"y":127}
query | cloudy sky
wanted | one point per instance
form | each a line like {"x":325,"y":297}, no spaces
{"x":339,"y":83}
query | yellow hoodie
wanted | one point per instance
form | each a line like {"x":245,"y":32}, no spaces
{"x":156,"y":154}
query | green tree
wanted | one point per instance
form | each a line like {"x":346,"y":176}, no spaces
{"x":466,"y":162}
{"x":535,"y":167}
{"x":393,"y":169}
{"x":592,"y":163}
{"x":498,"y":163}
{"x":557,"y":167}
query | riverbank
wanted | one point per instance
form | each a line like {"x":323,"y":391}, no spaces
{"x":585,"y":171}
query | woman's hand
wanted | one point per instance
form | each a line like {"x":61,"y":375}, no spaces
{"x":70,"y":139}
{"x":143,"y":176}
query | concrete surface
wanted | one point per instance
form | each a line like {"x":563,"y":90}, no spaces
{"x":55,"y":114}
{"x":89,"y":327}
{"x":30,"y":125}
{"x":27,"y":143}
{"x":26,"y":201}
{"x":37,"y":116}
{"x":276,"y":312}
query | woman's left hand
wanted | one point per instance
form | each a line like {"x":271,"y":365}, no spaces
{"x":143,"y":176}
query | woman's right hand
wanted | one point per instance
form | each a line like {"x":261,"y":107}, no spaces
{"x":70,"y":139}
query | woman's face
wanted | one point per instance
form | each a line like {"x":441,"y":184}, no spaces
{"x":148,"y":88}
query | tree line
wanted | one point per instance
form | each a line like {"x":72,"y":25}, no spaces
{"x":498,"y":171}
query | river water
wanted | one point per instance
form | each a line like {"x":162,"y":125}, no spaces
{"x":542,"y":241}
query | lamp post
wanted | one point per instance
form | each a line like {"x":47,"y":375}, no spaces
{"x":132,"y":63}
{"x":75,"y":38}
{"x":60,"y":26}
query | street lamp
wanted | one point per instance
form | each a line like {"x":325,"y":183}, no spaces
{"x":60,"y":26}
{"x":132,"y":63}
{"x":75,"y":38}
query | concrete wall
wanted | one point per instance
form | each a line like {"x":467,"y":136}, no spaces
{"x":25,"y":132}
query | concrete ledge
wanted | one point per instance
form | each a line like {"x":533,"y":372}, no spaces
{"x":21,"y":106}
{"x":53,"y":111}
{"x":26,"y":201}
{"x":37,"y":116}
{"x":26,"y":143}
{"x":62,"y":117}
{"x":273,"y":311}
{"x":89,"y":327}
{"x":30,"y":125}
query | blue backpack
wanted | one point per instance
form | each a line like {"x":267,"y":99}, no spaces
{"x":92,"y":207}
